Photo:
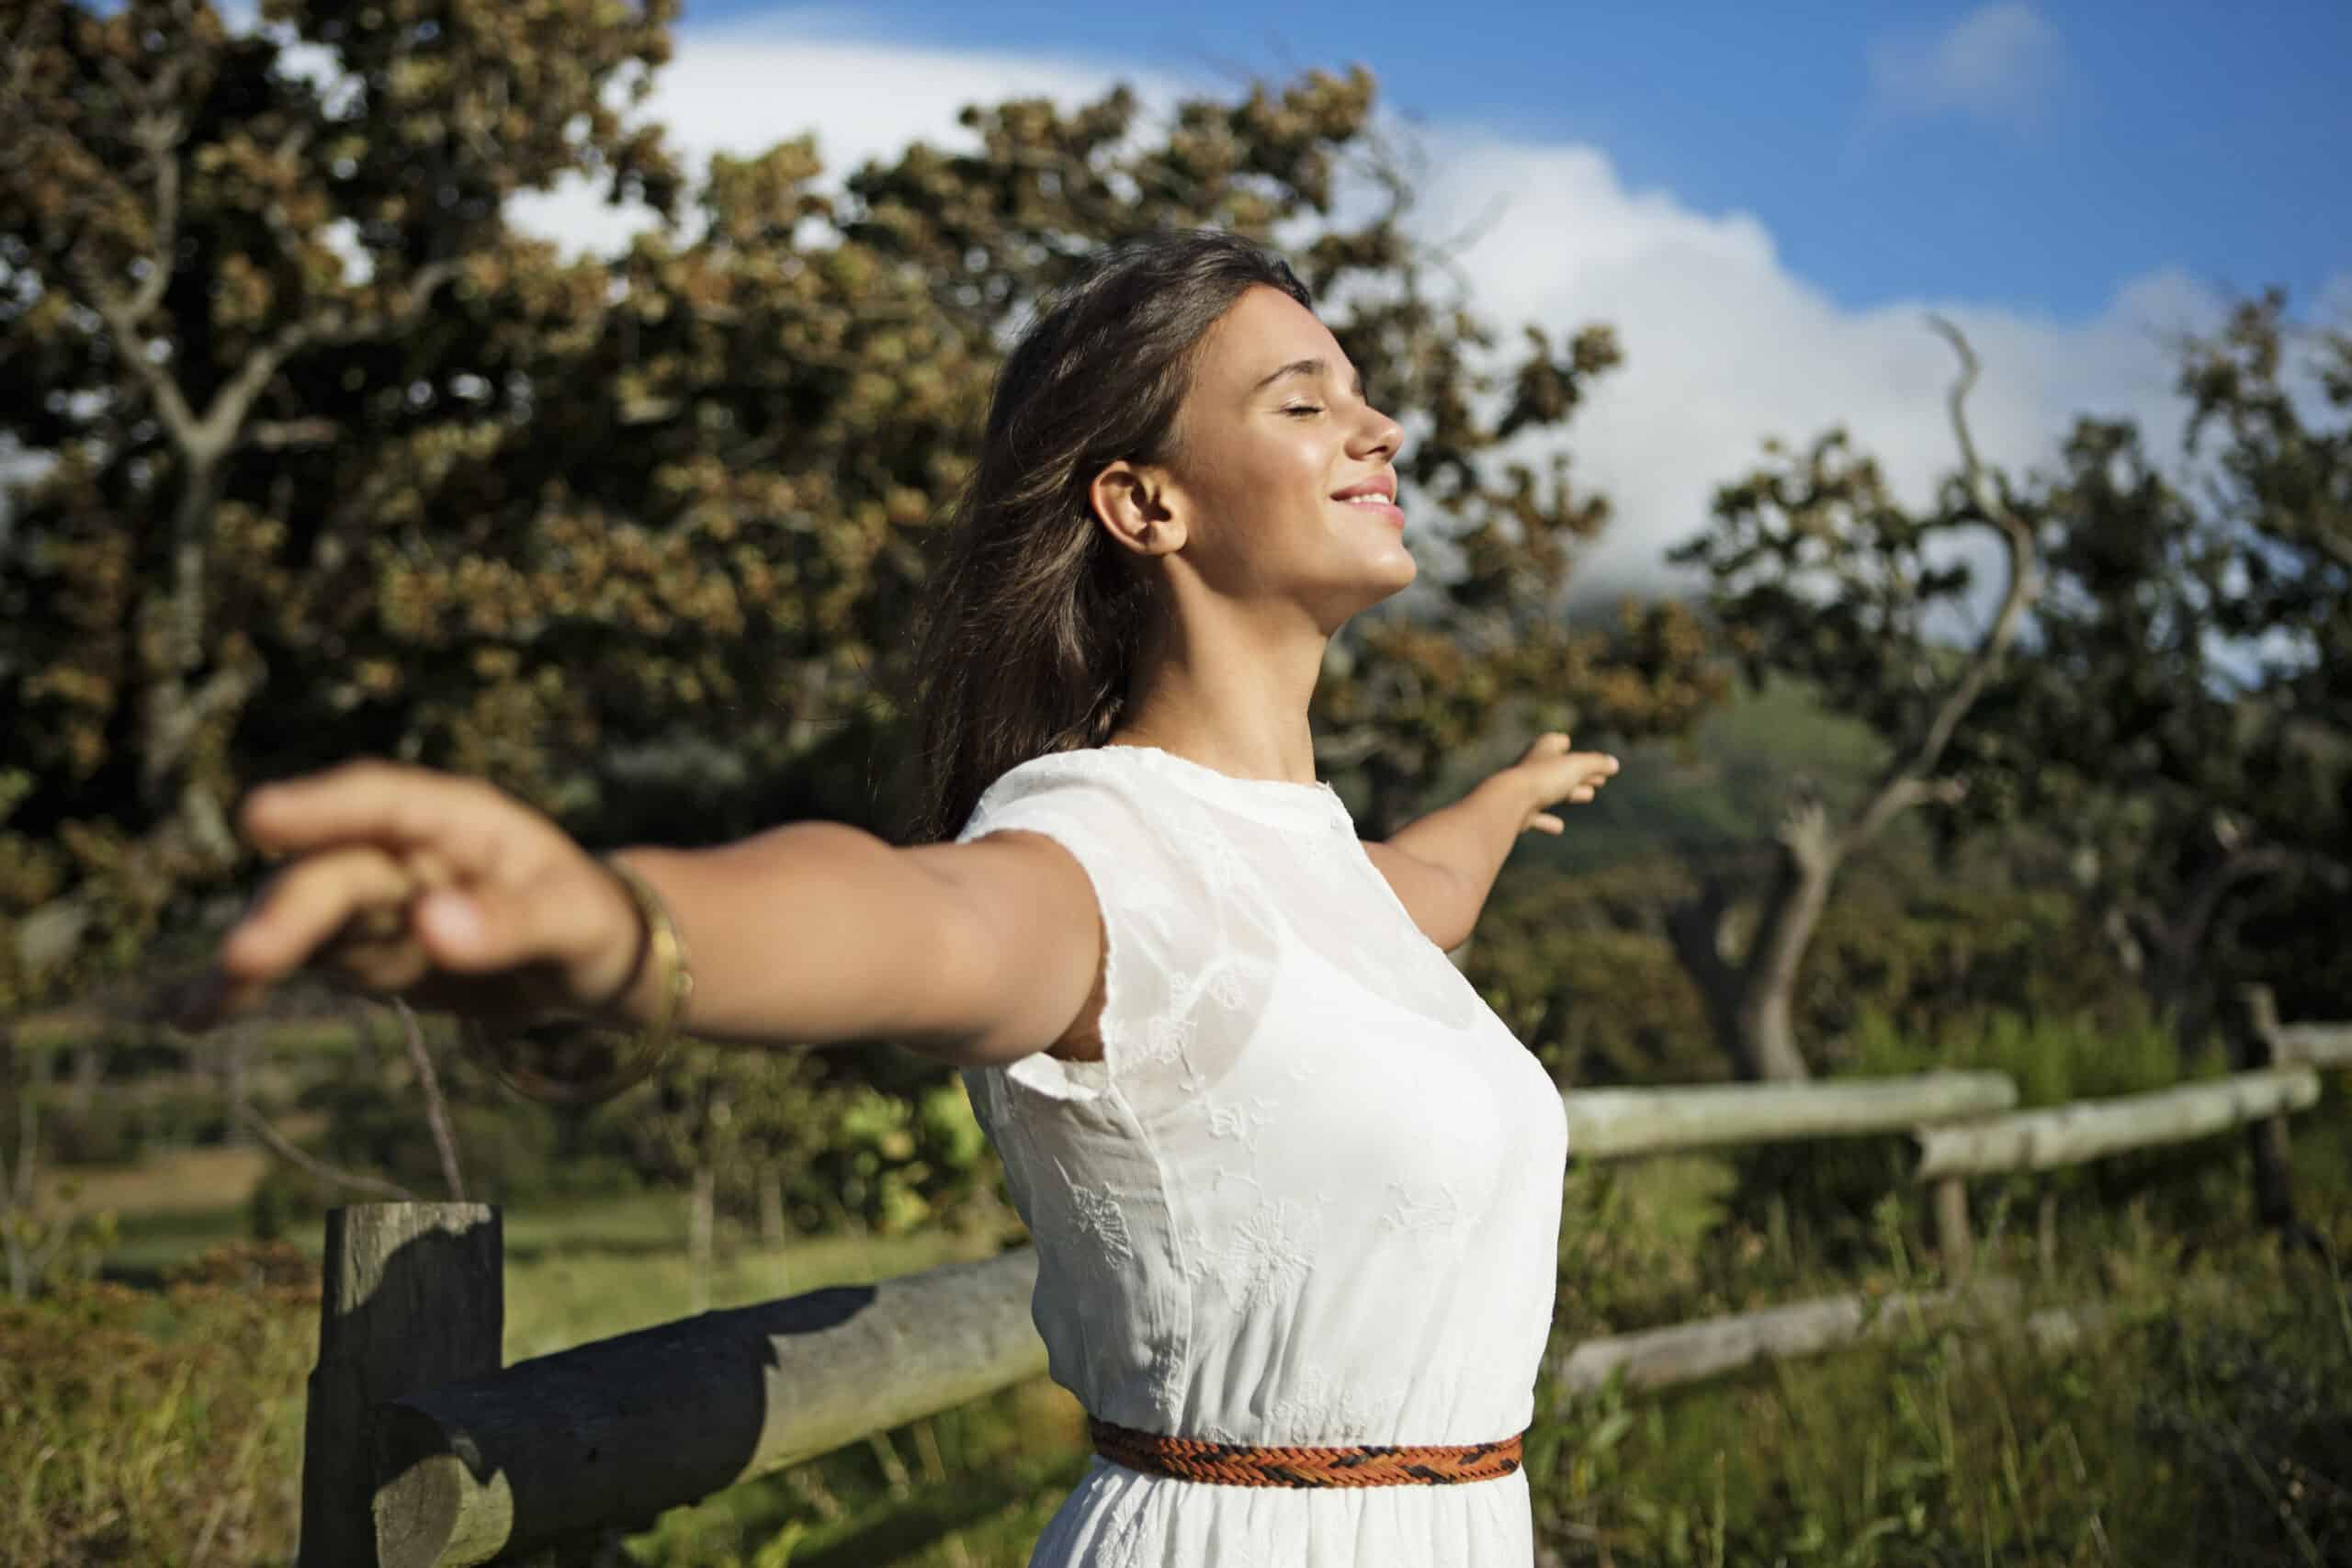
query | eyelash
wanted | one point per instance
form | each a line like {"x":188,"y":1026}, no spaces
{"x":1304,"y":408}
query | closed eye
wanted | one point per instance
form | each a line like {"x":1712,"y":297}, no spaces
{"x":1302,"y":408}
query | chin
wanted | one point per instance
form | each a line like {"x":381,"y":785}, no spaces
{"x":1402,"y":571}
{"x":1365,"y":591}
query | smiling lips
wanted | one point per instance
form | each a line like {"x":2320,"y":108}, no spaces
{"x":1378,"y":494}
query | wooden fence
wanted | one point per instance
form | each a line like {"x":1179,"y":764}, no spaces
{"x":421,"y":1452}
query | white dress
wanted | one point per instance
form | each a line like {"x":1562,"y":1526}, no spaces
{"x":1310,"y":1196}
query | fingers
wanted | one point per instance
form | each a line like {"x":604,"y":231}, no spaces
{"x":308,"y":904}
{"x":1581,"y":767}
{"x":381,"y":803}
{"x":477,"y":929}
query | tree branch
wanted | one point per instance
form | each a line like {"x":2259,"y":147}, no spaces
{"x":1900,"y":787}
{"x":252,"y":1120}
{"x":436,"y":1115}
{"x":1900,"y":795}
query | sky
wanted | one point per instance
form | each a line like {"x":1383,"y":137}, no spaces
{"x":2036,"y":155}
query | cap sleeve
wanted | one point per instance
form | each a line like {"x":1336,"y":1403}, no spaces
{"x":1188,"y":958}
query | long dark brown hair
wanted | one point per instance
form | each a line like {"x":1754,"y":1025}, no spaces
{"x":1031,"y":620}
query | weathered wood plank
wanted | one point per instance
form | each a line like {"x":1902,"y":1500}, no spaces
{"x":414,"y":1297}
{"x":1615,"y":1123}
{"x":1691,"y":1353}
{"x":2326,"y":1045}
{"x":2088,"y":1129}
{"x":611,"y":1433}
{"x":2317,"y":1044}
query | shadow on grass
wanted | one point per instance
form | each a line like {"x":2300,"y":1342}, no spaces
{"x":940,"y":1510}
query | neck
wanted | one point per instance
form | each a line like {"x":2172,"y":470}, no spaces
{"x":1228,"y":690}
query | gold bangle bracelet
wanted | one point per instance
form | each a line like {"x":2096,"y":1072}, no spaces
{"x":518,"y":1055}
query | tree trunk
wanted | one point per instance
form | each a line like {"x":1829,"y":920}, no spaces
{"x":1765,"y":1045}
{"x":16,"y":1170}
{"x":771,"y":1206}
{"x":234,"y":1050}
{"x":701,"y":1219}
{"x":88,"y":1066}
{"x":1750,"y":1004}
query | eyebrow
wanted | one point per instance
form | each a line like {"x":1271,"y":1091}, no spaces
{"x":1311,"y":368}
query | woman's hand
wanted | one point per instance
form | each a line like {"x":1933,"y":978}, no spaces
{"x":1556,"y":774}
{"x":428,"y":886}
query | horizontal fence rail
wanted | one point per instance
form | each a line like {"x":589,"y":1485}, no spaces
{"x":1605,"y":1123}
{"x":2316,"y":1045}
{"x":611,"y":1433}
{"x":1710,"y":1347}
{"x":2094,"y":1129}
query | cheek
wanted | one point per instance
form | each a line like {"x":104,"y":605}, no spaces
{"x":1283,"y":473}
{"x":1265,"y":484}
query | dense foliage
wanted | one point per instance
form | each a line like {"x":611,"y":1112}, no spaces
{"x":340,"y":465}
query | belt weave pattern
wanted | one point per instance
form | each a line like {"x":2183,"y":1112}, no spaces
{"x":1242,"y":1464}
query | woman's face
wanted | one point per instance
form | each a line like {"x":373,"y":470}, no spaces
{"x":1281,"y":487}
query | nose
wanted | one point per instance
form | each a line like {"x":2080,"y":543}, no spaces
{"x":1377,"y":434}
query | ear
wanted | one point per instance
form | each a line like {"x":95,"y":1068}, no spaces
{"x":1134,"y":500}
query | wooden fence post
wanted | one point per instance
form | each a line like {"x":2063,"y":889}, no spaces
{"x":1954,"y":1245}
{"x":2253,"y":1037}
{"x":414,"y":1298}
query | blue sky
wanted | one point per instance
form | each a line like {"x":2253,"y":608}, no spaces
{"x":2036,"y":155}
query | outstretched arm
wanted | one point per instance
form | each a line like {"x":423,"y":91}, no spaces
{"x":1443,"y":865}
{"x":400,"y":881}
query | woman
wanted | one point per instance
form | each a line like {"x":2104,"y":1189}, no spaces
{"x":1294,"y":1190}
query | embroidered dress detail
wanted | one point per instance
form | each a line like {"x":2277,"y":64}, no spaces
{"x":1307,"y":1203}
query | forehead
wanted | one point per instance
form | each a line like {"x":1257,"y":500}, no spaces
{"x":1264,"y":329}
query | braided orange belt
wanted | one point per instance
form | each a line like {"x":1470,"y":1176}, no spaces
{"x":1240,"y":1464}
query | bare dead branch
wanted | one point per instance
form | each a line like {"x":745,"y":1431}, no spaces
{"x":114,"y":309}
{"x":436,"y":1115}
{"x":1901,"y":795}
{"x":1805,"y":831}
{"x":1898,"y":789}
{"x":233,"y":1089}
{"x":253,"y":1121}
{"x":288,"y":435}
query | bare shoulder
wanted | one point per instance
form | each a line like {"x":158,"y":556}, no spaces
{"x":1024,"y":966}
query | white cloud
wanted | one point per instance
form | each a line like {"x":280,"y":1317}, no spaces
{"x":744,"y":87}
{"x":1724,"y":344}
{"x":1726,"y":347}
{"x":2000,"y":63}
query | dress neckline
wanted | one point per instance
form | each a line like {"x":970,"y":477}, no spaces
{"x":1278,"y":800}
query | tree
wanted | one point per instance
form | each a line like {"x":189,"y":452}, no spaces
{"x":1819,"y":575}
{"x":2181,"y":724}
{"x":631,"y":537}
{"x":239,"y":422}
